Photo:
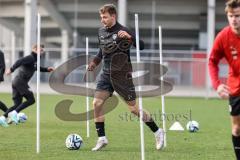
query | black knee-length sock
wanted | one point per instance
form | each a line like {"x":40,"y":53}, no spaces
{"x":236,"y":146}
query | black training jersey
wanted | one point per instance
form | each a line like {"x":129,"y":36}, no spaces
{"x":110,"y":44}
{"x":2,"y":66}
{"x":27,"y":66}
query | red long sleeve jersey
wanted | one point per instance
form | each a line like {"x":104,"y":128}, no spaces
{"x":226,"y":45}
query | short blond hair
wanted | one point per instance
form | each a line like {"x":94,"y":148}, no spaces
{"x":108,"y":8}
{"x":232,"y":4}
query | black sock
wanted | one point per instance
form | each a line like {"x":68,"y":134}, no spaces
{"x":236,"y":146}
{"x":3,"y":107}
{"x":152,"y":125}
{"x":100,"y":129}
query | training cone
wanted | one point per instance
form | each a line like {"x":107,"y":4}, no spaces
{"x":176,"y":127}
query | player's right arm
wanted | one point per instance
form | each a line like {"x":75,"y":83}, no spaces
{"x":18,"y":63}
{"x":223,"y":91}
{"x":217,"y":53}
{"x":96,"y":61}
{"x":98,"y":58}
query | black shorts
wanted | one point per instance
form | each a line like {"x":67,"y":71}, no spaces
{"x":104,"y":83}
{"x":234,"y":105}
{"x":21,"y":88}
{"x":125,"y":89}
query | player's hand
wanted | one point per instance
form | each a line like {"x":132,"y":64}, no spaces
{"x":91,"y":66}
{"x":8,"y":72}
{"x":50,"y":69}
{"x":124,"y":34}
{"x":223,"y":91}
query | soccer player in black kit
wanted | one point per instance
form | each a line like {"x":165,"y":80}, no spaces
{"x":115,"y":41}
{"x":20,"y":89}
{"x":2,"y":70}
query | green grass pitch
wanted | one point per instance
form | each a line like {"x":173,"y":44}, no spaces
{"x":213,"y":141}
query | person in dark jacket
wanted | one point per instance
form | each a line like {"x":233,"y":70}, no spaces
{"x":20,"y":89}
{"x":115,"y":41}
{"x":3,"y":107}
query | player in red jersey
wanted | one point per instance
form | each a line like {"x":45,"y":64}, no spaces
{"x":227,"y":45}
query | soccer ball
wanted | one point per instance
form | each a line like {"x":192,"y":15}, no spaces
{"x":22,"y":117}
{"x":73,"y":141}
{"x":192,"y":126}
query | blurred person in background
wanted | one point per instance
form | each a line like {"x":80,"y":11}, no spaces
{"x":20,"y":89}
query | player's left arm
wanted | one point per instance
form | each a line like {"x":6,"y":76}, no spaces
{"x":2,"y":66}
{"x":46,"y":69}
{"x":131,"y":36}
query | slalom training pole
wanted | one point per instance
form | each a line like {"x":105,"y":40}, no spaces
{"x":162,"y":87}
{"x":38,"y":80}
{"x":87,"y":85}
{"x":139,"y":89}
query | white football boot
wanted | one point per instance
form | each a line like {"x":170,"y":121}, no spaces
{"x":159,"y":136}
{"x":13,"y":117}
{"x":101,"y":143}
{"x":3,"y":121}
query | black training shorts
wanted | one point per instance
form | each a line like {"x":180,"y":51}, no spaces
{"x":234,"y":105}
{"x":125,"y":88}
